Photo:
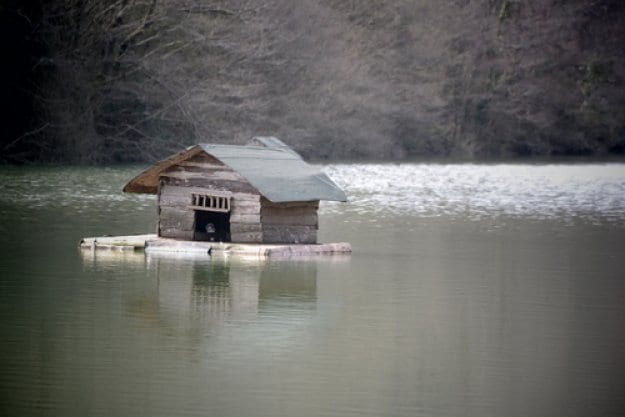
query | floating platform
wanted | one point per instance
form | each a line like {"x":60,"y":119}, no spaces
{"x":153,"y":243}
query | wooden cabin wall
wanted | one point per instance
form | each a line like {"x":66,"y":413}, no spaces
{"x":204,"y":173}
{"x":245,"y":224}
{"x":294,"y":222}
{"x":207,"y":172}
{"x":176,"y":219}
{"x":253,"y":219}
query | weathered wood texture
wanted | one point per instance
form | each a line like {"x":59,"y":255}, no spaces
{"x":342,"y":248}
{"x":306,"y":220}
{"x":245,"y":227}
{"x":211,"y":184}
{"x":116,"y":242}
{"x":177,"y":217}
{"x":180,"y":196}
{"x":245,"y":224}
{"x":176,"y":222}
{"x":293,"y":222}
{"x":289,"y":215}
{"x":148,"y":181}
{"x":176,"y":233}
{"x":244,"y":209}
{"x":291,"y":212}
{"x":174,"y":196}
{"x":244,"y":218}
{"x":153,"y":243}
{"x":247,"y":200}
{"x":253,"y":219}
{"x":203,"y":171}
{"x":246,"y":237}
{"x":289,"y":234}
{"x":208,"y":174}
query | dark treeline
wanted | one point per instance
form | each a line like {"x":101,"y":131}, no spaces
{"x":91,"y":81}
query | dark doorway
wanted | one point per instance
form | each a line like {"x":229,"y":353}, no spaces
{"x":212,"y":226}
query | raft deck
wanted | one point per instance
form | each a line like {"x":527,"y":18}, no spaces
{"x":153,"y":243}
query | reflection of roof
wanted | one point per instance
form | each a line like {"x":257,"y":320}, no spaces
{"x":278,"y":173}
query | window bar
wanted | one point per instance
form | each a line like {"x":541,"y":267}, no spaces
{"x":210,"y":202}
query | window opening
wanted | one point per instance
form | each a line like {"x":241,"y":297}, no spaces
{"x":210,"y":202}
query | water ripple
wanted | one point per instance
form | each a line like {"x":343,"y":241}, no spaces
{"x":79,"y":187}
{"x":588,"y":191}
{"x":478,"y":190}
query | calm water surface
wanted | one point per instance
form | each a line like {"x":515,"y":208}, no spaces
{"x":474,"y":290}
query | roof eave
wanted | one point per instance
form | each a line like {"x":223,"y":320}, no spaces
{"x":147,"y":181}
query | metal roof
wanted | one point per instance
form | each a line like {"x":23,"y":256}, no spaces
{"x":270,"y":142}
{"x":278,"y":173}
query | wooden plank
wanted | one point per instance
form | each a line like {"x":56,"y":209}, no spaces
{"x":169,"y":243}
{"x":237,"y":202}
{"x":245,"y":227}
{"x":187,"y":173}
{"x":289,"y":238}
{"x":309,"y":220}
{"x":238,"y":209}
{"x":171,"y":196}
{"x":172,"y":217}
{"x":148,"y":180}
{"x":288,"y":212}
{"x":184,"y":190}
{"x":238,"y":197}
{"x":175,"y":196}
{"x":245,"y":218}
{"x":176,"y":233}
{"x":224,"y":185}
{"x":152,"y":242}
{"x":180,"y":196}
{"x":246,"y":237}
{"x":134,"y":241}
{"x":289,"y":234}
{"x":342,"y":248}
{"x":294,"y":229}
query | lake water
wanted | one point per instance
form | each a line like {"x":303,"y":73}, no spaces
{"x":473,"y":290}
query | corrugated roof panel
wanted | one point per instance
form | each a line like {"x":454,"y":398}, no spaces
{"x":270,"y":142}
{"x":280,"y":175}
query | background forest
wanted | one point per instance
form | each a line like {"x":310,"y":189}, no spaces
{"x":90,"y":81}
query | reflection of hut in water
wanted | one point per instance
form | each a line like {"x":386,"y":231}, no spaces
{"x":209,"y":290}
{"x":223,"y":289}
{"x":192,"y":296}
{"x":220,"y":290}
{"x":260,"y":193}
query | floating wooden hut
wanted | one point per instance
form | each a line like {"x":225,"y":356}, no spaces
{"x":263,"y":192}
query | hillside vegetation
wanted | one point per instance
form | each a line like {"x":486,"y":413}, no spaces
{"x":134,"y":80}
